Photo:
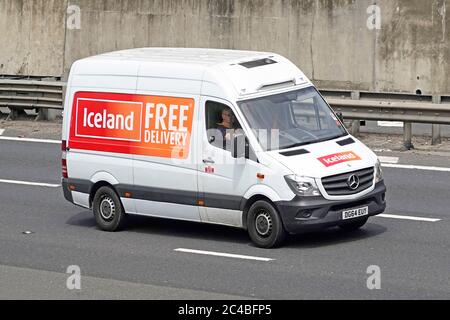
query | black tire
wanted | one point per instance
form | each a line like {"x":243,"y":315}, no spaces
{"x":108,"y":210}
{"x":265,"y":226}
{"x":353,"y":226}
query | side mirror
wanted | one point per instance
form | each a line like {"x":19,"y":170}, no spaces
{"x":240,"y":147}
{"x":340,"y":116}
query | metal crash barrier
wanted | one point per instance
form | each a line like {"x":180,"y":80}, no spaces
{"x":409,"y":109}
{"x":19,"y":95}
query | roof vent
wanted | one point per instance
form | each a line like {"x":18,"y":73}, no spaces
{"x":277,"y":85}
{"x":257,"y":63}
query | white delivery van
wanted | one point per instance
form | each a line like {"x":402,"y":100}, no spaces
{"x":236,"y":138}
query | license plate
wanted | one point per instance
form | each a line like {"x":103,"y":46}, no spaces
{"x":355,"y":213}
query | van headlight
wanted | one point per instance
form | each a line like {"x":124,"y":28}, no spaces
{"x":378,"y":172}
{"x":303,"y":186}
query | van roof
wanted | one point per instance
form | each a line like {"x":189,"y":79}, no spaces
{"x":198,"y":56}
{"x":232,"y":74}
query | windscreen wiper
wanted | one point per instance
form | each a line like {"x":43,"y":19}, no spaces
{"x":302,"y":144}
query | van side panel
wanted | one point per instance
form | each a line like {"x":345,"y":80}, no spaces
{"x":167,"y":186}
{"x":85,"y":165}
{"x":132,"y":124}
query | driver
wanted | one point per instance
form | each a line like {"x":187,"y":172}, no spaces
{"x":227,"y":126}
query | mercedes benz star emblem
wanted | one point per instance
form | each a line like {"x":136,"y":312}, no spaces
{"x":353,"y":182}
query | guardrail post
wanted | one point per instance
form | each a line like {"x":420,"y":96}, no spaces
{"x":436,"y":128}
{"x":13,"y":114}
{"x":436,"y":134}
{"x":356,"y":124}
{"x":64,"y":91}
{"x":407,"y":136}
{"x":355,"y":128}
{"x":42,"y":115}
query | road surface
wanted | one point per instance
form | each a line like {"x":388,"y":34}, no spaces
{"x":41,"y":235}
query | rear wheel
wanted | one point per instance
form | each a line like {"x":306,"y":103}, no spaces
{"x":264,"y":225}
{"x":108,"y":210}
{"x":354,"y":225}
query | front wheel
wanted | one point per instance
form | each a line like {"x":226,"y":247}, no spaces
{"x":264,"y":225}
{"x":108,"y":210}
{"x":354,"y":225}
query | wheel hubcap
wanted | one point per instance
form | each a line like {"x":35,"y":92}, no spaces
{"x":107,"y":208}
{"x":263,"y":223}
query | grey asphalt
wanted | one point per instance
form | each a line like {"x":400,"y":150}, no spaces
{"x":140,"y":262}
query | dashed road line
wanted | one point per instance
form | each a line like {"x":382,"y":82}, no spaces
{"x":414,"y":167}
{"x":28,"y":183}
{"x":402,"y":217}
{"x":392,"y":160}
{"x":226,"y":255}
{"x":30,"y":140}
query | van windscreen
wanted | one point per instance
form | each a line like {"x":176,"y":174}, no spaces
{"x":291,"y":119}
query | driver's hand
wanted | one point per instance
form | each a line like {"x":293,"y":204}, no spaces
{"x":229,"y":136}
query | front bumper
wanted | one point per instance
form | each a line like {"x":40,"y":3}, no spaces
{"x":303,"y":214}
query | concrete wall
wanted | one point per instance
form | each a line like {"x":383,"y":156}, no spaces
{"x":32,"y":37}
{"x":328,"y":39}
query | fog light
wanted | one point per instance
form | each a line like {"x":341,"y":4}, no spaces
{"x":305,"y":214}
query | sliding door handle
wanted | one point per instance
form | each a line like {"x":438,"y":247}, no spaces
{"x":208,"y":161}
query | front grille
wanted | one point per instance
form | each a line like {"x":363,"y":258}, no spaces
{"x":338,"y":185}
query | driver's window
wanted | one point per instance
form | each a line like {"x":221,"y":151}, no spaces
{"x":221,"y":124}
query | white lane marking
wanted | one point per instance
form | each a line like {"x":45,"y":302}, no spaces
{"x":27,"y":183}
{"x":394,"y":216}
{"x":30,"y":140}
{"x":392,"y":160}
{"x":220,"y":254}
{"x":390,"y":124}
{"x":413,"y":167}
{"x":2,"y":131}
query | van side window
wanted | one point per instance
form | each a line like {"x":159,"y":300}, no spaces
{"x":221,"y":124}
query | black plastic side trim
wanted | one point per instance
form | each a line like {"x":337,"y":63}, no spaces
{"x":83,"y":186}
{"x":191,"y":198}
{"x":221,"y":201}
{"x":66,"y":190}
{"x":159,"y":194}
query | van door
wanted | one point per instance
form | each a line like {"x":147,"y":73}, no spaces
{"x":223,"y":180}
{"x":99,"y":153}
{"x":166,"y":185}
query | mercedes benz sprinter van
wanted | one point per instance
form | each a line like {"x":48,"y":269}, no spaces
{"x":236,"y":138}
